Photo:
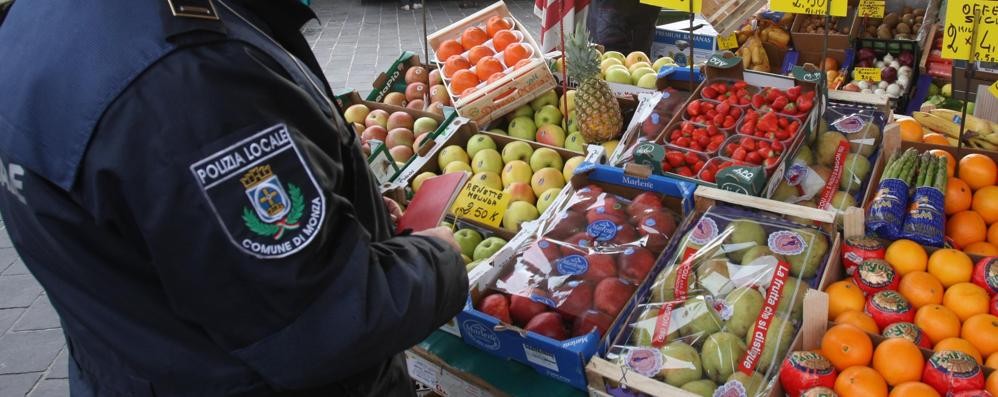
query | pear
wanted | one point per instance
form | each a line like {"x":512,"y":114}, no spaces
{"x":745,"y":304}
{"x":681,"y":364}
{"x":805,"y":264}
{"x":702,"y":387}
{"x":698,"y":318}
{"x":720,"y":355}
{"x":753,"y":384}
{"x":745,"y":234}
{"x":779,"y":335}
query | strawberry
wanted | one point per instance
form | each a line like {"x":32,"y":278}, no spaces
{"x":708,"y":92}
{"x":674,"y":158}
{"x":684,"y":171}
{"x":794,"y":92}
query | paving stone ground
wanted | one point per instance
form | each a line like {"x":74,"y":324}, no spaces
{"x":354,"y":41}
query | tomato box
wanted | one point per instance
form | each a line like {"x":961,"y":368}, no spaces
{"x":560,"y":279}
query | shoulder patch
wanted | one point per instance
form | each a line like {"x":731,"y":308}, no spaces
{"x":263,"y":193}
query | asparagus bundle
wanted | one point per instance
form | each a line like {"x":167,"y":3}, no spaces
{"x":886,"y":215}
{"x":926,"y":219}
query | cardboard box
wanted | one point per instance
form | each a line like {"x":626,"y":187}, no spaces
{"x":673,"y":40}
{"x":565,"y":360}
{"x":815,"y":42}
{"x":393,"y":79}
{"x":931,"y":8}
{"x":519,"y":86}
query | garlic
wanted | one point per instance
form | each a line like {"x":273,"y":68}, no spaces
{"x":895,"y":64}
{"x":867,"y":91}
{"x":904,"y":71}
{"x":883,"y":85}
{"x":894,"y":90}
{"x":903,"y":81}
{"x":863,"y":85}
{"x":881,"y":64}
{"x":888,"y":58}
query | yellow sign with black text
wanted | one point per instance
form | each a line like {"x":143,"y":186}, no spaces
{"x":678,"y":5}
{"x":868,"y":74}
{"x":727,"y":42}
{"x":993,"y":89}
{"x":958,"y":30}
{"x":870,"y":8}
{"x":812,"y":7}
{"x":481,"y":203}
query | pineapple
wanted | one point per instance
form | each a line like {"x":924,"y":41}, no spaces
{"x":596,"y":109}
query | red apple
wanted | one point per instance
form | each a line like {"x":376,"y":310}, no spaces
{"x":401,"y":154}
{"x":659,"y":227}
{"x":609,"y":208}
{"x":496,"y":305}
{"x":611,"y":295}
{"x":415,"y":91}
{"x":579,"y":243}
{"x":601,"y":266}
{"x":400,"y":120}
{"x":635,"y":263}
{"x":585,"y":323}
{"x":626,"y":234}
{"x":400,"y":137}
{"x":522,"y":309}
{"x":569,"y":223}
{"x":434,"y":78}
{"x":416,"y":104}
{"x":374,"y":132}
{"x":377,"y":117}
{"x":986,"y":274}
{"x":644,"y":202}
{"x":416,"y":74}
{"x":585,"y":197}
{"x":548,"y":324}
{"x":575,"y":298}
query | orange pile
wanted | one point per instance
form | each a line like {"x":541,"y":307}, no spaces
{"x":481,"y":54}
{"x":971,"y":203}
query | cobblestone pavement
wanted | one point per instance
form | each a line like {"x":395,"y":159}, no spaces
{"x":353,"y":42}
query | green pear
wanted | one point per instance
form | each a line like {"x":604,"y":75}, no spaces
{"x":698,"y":318}
{"x":720,"y":355}
{"x":681,"y":364}
{"x":745,"y":234}
{"x":745,"y":303}
{"x":779,"y":335}
{"x":753,"y":384}
{"x":805,"y":264}
{"x":702,"y":387}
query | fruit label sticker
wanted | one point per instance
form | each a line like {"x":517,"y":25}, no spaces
{"x":958,"y":33}
{"x":757,"y":339}
{"x":543,"y":299}
{"x":850,"y":124}
{"x":867,"y":74}
{"x":802,"y":74}
{"x":704,"y":232}
{"x":481,"y":203}
{"x":870,"y":8}
{"x":785,"y":242}
{"x":644,"y":361}
{"x":602,"y":230}
{"x":572,"y":265}
{"x":678,"y":5}
{"x":732,"y":388}
{"x":727,"y":42}
{"x":813,"y":7}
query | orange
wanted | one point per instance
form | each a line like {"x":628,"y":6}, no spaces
{"x":935,"y":139}
{"x":911,"y":130}
{"x":846,"y":345}
{"x":488,"y":66}
{"x":478,"y":52}
{"x":966,"y":227}
{"x":503,"y":39}
{"x":462,"y":80}
{"x":859,"y":319}
{"x":898,"y":361}
{"x":986,"y":203}
{"x":860,"y":382}
{"x":966,"y":300}
{"x":993,"y":234}
{"x":950,"y":160}
{"x":448,"y":49}
{"x":913,"y":389}
{"x":920,"y":289}
{"x":497,"y":23}
{"x":981,"y":330}
{"x":950,"y":266}
{"x":844,"y":296}
{"x":982,"y":248}
{"x":978,"y":170}
{"x":992,"y":361}
{"x":473,"y":36}
{"x":958,"y":344}
{"x":991,"y":385}
{"x":938,"y":322}
{"x":454,"y":64}
{"x":906,"y":256}
{"x":958,"y":196}
{"x":515,"y":52}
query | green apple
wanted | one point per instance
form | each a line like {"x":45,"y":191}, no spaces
{"x":417,"y":182}
{"x":547,"y":178}
{"x":548,"y":98}
{"x":567,"y":99}
{"x":487,"y":160}
{"x":614,"y":54}
{"x":516,"y":171}
{"x":618,"y":67}
{"x":575,"y":142}
{"x":639,"y":73}
{"x":467,"y":260}
{"x":468,"y":239}
{"x":523,"y":128}
{"x":498,"y":131}
{"x":356,"y":113}
{"x":544,"y":158}
{"x":610,"y":146}
{"x":606,"y":63}
{"x":621,"y":76}
{"x":479,"y":142}
{"x":471,"y":266}
{"x":488,"y":178}
{"x":549,"y":114}
{"x":522,"y":111}
{"x":457,"y":166}
{"x":517,"y":213}
{"x":517,"y":151}
{"x":488,"y":247}
{"x":638,"y":65}
{"x":649,"y":81}
{"x":636,"y":57}
{"x":550,"y":134}
{"x":573,"y":124}
{"x":519,"y":191}
{"x":663,"y":61}
{"x":451,"y":154}
{"x":547,"y":198}
{"x":424,"y":125}
{"x":570,"y":165}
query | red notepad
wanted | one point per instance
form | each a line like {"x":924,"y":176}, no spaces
{"x":431,"y":203}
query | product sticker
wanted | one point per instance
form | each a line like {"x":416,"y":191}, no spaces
{"x":850,"y":124}
{"x":732,"y":388}
{"x":757,"y":340}
{"x":602,"y":230}
{"x":540,"y":357}
{"x":785,"y":242}
{"x":572,"y":265}
{"x":644,"y":361}
{"x":704,"y":232}
{"x":868,"y":74}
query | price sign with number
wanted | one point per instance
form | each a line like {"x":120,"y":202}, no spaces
{"x":678,"y":5}
{"x":727,"y":42}
{"x":958,"y":33}
{"x":868,"y":74}
{"x":871,"y":8}
{"x":481,"y":203}
{"x":813,"y":7}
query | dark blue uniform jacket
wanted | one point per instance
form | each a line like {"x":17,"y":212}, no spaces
{"x":197,"y":210}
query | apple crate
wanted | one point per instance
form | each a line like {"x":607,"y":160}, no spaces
{"x":519,"y":85}
{"x":393,"y":79}
{"x":607,"y":377}
{"x":563,"y":360}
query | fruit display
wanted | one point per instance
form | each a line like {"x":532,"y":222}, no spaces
{"x":701,"y":139}
{"x":753,"y":41}
{"x":816,"y":24}
{"x":727,"y":309}
{"x":978,"y":133}
{"x":579,"y":273}
{"x":897,"y":74}
{"x":596,"y":108}
{"x":477,"y":244}
{"x":399,"y":131}
{"x":735,"y":93}
{"x":413,"y":85}
{"x":549,"y":119}
{"x":636,"y":68}
{"x":903,"y":25}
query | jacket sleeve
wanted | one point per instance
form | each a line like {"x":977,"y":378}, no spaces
{"x":346,"y":301}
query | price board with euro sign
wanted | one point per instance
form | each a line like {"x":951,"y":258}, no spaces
{"x":958,"y":33}
{"x":678,"y":5}
{"x":867,"y":74}
{"x":812,"y":7}
{"x":481,"y":204}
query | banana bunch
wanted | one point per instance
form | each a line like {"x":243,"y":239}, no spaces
{"x":978,"y":133}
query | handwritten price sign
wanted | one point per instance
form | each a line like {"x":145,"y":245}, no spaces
{"x":481,"y":203}
{"x":868,"y":74}
{"x":678,"y":5}
{"x":871,"y":8}
{"x":813,"y":7}
{"x":727,"y":42}
{"x":958,"y":34}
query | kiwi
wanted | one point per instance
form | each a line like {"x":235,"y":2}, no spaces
{"x":903,"y":28}
{"x":891,"y":19}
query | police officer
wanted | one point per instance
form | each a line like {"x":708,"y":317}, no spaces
{"x":201,"y":217}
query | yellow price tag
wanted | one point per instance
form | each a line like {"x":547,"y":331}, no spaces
{"x":870,"y":8}
{"x":958,"y":30}
{"x":993,"y":89}
{"x":678,"y":5}
{"x":481,"y":203}
{"x":813,"y":7}
{"x":727,"y":42}
{"x":868,"y":74}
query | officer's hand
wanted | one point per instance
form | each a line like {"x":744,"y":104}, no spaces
{"x":394,"y":209}
{"x":443,"y":233}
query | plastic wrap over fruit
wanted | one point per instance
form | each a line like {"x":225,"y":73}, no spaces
{"x":653,"y":114}
{"x":586,"y":263}
{"x":725,"y":313}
